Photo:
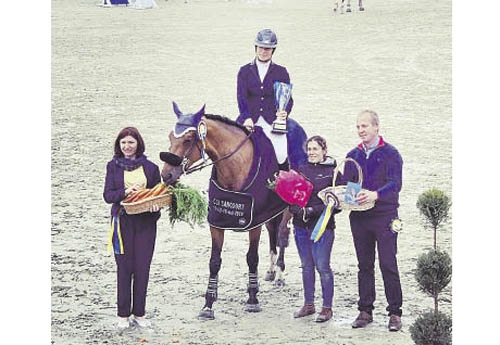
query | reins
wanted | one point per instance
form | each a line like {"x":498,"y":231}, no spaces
{"x":204,"y":164}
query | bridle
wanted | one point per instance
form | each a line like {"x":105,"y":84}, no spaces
{"x":184,"y":161}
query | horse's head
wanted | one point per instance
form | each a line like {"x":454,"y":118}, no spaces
{"x":184,"y":149}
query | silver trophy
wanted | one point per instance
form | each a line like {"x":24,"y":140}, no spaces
{"x":282,"y":95}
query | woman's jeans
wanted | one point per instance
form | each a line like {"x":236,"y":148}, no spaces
{"x":316,"y":255}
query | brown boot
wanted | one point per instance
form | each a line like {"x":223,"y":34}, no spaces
{"x":395,"y":323}
{"x":307,"y":309}
{"x":324,"y":315}
{"x":362,"y":320}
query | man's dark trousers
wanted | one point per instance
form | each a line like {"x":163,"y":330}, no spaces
{"x":371,"y":230}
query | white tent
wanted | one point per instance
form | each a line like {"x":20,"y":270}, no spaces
{"x":143,"y":4}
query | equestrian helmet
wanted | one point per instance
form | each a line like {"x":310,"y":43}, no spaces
{"x":266,"y":39}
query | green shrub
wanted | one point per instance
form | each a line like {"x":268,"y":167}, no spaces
{"x":434,"y":206}
{"x":432,"y":329}
{"x":433,"y":273}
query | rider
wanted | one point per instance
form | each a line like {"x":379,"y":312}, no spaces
{"x":255,"y":93}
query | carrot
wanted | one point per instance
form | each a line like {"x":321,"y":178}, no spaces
{"x":158,"y":189}
{"x":147,"y":195}
{"x":163,"y":189}
{"x":130,"y":197}
{"x":141,"y":194}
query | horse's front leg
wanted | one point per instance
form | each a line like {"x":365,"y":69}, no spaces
{"x":207,"y":312}
{"x":253,"y":275}
{"x":360,"y":3}
{"x":283,"y":241}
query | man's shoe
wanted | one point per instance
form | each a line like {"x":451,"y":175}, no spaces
{"x":362,"y":320}
{"x":307,"y":309}
{"x":324,"y":315}
{"x":395,"y":323}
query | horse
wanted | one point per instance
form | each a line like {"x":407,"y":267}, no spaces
{"x":336,"y":6}
{"x":199,"y":136}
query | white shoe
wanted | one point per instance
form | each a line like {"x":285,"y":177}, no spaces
{"x":123,"y":322}
{"x":141,"y":321}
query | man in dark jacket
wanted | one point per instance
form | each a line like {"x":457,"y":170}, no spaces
{"x":381,"y":165}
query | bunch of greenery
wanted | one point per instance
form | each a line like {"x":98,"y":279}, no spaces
{"x":188,"y":205}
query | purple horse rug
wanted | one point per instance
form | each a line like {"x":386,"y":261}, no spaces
{"x":238,"y":210}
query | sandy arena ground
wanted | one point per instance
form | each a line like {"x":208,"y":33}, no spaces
{"x":116,"y":67}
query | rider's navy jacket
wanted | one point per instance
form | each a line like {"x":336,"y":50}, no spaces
{"x":256,"y":98}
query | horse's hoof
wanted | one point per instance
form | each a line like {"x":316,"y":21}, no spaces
{"x":253,"y":308}
{"x":361,"y":9}
{"x":270,"y":276}
{"x":279,"y":283}
{"x":348,"y":10}
{"x":206,"y":314}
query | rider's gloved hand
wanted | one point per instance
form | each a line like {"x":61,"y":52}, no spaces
{"x":248,"y":123}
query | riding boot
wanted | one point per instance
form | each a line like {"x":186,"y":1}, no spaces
{"x":285,"y":165}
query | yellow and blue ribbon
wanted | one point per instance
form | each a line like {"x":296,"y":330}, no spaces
{"x":322,"y":222}
{"x":115,"y":237}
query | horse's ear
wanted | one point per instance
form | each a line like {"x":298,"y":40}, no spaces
{"x":199,"y":114}
{"x":176,"y":109}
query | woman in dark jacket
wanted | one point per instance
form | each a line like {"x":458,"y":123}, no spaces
{"x":315,"y":255}
{"x":133,"y":236}
{"x":256,"y":102}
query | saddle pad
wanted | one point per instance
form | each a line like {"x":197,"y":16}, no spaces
{"x":229,"y":209}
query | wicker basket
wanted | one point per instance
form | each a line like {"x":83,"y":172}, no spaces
{"x":145,"y":205}
{"x":336,"y":194}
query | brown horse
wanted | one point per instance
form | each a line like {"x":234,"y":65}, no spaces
{"x":336,"y":6}
{"x":197,"y":137}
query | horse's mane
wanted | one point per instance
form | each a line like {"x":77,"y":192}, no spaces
{"x":227,"y":121}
